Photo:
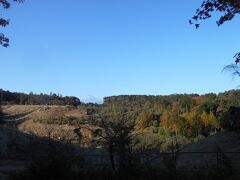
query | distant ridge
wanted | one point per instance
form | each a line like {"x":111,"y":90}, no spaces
{"x":91,"y":99}
{"x":18,"y":98}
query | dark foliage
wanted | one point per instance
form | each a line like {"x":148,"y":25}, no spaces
{"x":37,"y":99}
{"x":227,"y":9}
{"x":4,"y":41}
{"x":116,"y":136}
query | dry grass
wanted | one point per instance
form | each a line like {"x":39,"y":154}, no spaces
{"x":37,"y":120}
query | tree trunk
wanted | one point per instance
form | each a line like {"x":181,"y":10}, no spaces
{"x":110,"y":150}
{"x":0,"y":110}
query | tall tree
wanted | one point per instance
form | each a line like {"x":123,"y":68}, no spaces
{"x":116,"y":135}
{"x":227,"y":9}
{"x":4,"y":41}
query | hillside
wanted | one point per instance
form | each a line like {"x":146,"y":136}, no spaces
{"x":189,"y":124}
{"x":220,"y":150}
{"x":57,"y":122}
{"x":162,"y":120}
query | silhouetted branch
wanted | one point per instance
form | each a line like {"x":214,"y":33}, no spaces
{"x":4,"y":41}
{"x":233,"y":68}
{"x":226,"y":8}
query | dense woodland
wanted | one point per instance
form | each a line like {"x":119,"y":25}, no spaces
{"x":8,"y":98}
{"x":168,"y":122}
{"x":159,"y":122}
{"x":164,"y":123}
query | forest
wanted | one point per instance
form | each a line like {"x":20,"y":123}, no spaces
{"x":123,"y":126}
{"x":164,"y":123}
{"x":176,"y":119}
{"x":122,"y":47}
{"x":7,"y":97}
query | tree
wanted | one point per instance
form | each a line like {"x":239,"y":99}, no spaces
{"x":169,"y":119}
{"x":209,"y":122}
{"x":4,"y":41}
{"x":194,"y":124}
{"x":185,"y":104}
{"x":209,"y":107}
{"x":0,"y":104}
{"x":227,"y":9}
{"x":144,"y":121}
{"x":116,"y":136}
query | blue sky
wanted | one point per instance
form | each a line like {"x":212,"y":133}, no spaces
{"x":114,"y":47}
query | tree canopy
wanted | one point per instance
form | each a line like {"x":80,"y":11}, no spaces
{"x":4,"y":41}
{"x":227,"y":9}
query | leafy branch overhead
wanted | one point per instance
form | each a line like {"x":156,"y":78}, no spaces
{"x":227,"y":9}
{"x":4,"y":41}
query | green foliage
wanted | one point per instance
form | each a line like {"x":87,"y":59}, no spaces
{"x":184,"y":115}
{"x":185,"y":103}
{"x":147,"y":140}
{"x":188,"y":118}
{"x":210,"y":122}
{"x":155,"y":123}
{"x":154,"y":129}
{"x":144,"y":120}
{"x":164,"y":140}
{"x":209,"y":106}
